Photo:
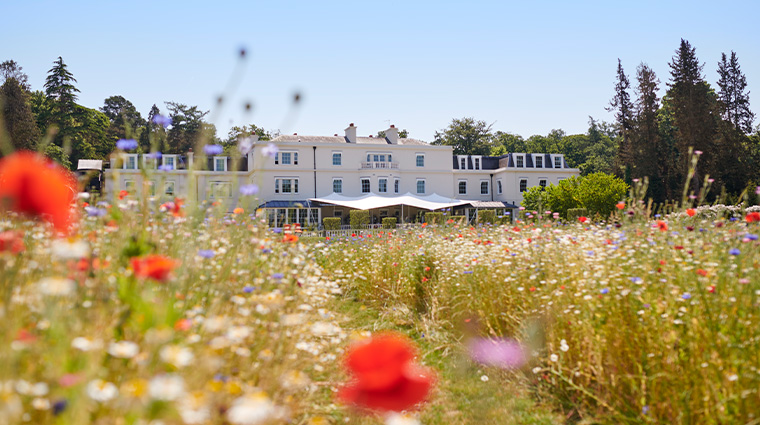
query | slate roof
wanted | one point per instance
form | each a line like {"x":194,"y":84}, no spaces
{"x":342,"y":139}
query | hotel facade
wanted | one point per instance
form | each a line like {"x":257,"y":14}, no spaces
{"x":307,"y":178}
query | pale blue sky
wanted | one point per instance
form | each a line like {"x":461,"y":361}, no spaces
{"x":527,"y":67}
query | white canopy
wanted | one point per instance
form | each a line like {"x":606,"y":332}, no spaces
{"x":372,"y":201}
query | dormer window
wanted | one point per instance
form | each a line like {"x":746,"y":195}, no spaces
{"x":149,"y":161}
{"x":220,"y":163}
{"x":539,"y":161}
{"x":130,"y":162}
{"x":476,"y":161}
{"x":558,"y":162}
{"x":519,"y":161}
{"x":462,"y":163}
{"x":169,"y":162}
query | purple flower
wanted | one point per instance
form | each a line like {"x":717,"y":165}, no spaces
{"x":266,"y":251}
{"x":164,"y":121}
{"x":467,"y":272}
{"x":686,"y":296}
{"x":501,"y":352}
{"x":278,"y":276}
{"x":249,"y":189}
{"x":636,"y":279}
{"x":751,"y":236}
{"x":269,"y":150}
{"x":734,"y":251}
{"x":248,"y":289}
{"x":165,"y":167}
{"x":213,"y":149}
{"x":604,"y":291}
{"x":126,"y":144}
{"x":154,"y":155}
{"x":95,"y":212}
{"x":246,"y":144}
{"x":206,"y":253}
{"x":757,"y":190}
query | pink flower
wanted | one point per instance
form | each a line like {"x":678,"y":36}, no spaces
{"x":503,"y":353}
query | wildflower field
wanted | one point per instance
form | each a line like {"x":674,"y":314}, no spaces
{"x":132,"y":311}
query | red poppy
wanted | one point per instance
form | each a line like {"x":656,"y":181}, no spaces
{"x":123,"y":194}
{"x":386,"y":376}
{"x":753,"y":217}
{"x":702,"y":272}
{"x":12,"y":241}
{"x":156,"y":267}
{"x":288,"y":238}
{"x":31,"y":184}
{"x":690,"y":212}
{"x":582,"y":219}
{"x":620,"y":205}
{"x":175,"y":208}
{"x":663,"y":226}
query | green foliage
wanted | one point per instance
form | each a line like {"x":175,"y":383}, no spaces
{"x":467,"y":136}
{"x":57,"y":154}
{"x":125,"y":122}
{"x":599,"y":192}
{"x":389,"y":222}
{"x":17,"y":115}
{"x":331,"y":223}
{"x":434,"y":217}
{"x":188,"y":128}
{"x":574,"y":213}
{"x":487,"y":216}
{"x":359,"y":218}
{"x":402,"y":134}
{"x":11,"y":69}
{"x":535,"y":199}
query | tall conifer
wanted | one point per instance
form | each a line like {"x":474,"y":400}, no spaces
{"x":621,"y":104}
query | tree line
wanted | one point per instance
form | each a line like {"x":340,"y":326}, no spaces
{"x":651,"y":136}
{"x":52,"y":121}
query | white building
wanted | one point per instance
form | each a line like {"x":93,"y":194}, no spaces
{"x":306,"y":169}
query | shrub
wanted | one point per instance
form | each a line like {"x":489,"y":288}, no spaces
{"x":434,"y":217}
{"x":574,"y":213}
{"x":389,"y":222}
{"x":359,"y":218}
{"x":563,"y":196}
{"x":535,"y":199}
{"x":487,"y":216}
{"x":331,"y":223}
{"x":599,"y":192}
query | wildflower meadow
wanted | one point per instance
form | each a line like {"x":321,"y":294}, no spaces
{"x":147,"y":311}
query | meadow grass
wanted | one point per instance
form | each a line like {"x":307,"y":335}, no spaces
{"x":635,"y":322}
{"x":627,"y":321}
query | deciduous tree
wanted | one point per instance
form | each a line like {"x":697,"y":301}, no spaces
{"x":467,"y":136}
{"x":17,"y":115}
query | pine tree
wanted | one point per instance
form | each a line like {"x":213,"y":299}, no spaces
{"x":693,"y":103}
{"x":60,"y":90}
{"x":734,"y":150}
{"x":18,"y":116}
{"x":623,"y":108}
{"x":734,"y":101}
{"x":648,"y":153}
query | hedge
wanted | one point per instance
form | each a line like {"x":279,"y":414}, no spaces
{"x":574,"y":213}
{"x":389,"y":222}
{"x":434,"y":217}
{"x":331,"y":223}
{"x":487,"y":216}
{"x":359,"y":218}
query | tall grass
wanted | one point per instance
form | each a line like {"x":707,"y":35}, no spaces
{"x":659,"y":325}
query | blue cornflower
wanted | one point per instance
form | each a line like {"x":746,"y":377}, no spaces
{"x":59,"y":406}
{"x":686,"y":296}
{"x":277,"y":230}
{"x":751,"y":236}
{"x":636,"y":279}
{"x":269,"y":150}
{"x":249,"y":189}
{"x":266,"y":251}
{"x":278,"y":276}
{"x":126,"y":144}
{"x":164,"y":121}
{"x":154,"y":155}
{"x":248,"y":289}
{"x":165,"y":167}
{"x":467,"y":272}
{"x":206,"y":253}
{"x":734,"y":251}
{"x":95,"y":212}
{"x":604,"y":291}
{"x":213,"y":149}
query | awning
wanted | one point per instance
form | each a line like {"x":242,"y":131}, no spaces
{"x":90,"y":164}
{"x":372,"y":201}
{"x":289,"y":204}
{"x":492,"y":204}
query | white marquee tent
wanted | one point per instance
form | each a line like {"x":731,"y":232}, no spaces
{"x":372,"y":201}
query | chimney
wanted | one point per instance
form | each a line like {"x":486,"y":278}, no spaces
{"x":351,"y":133}
{"x":391,"y":135}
